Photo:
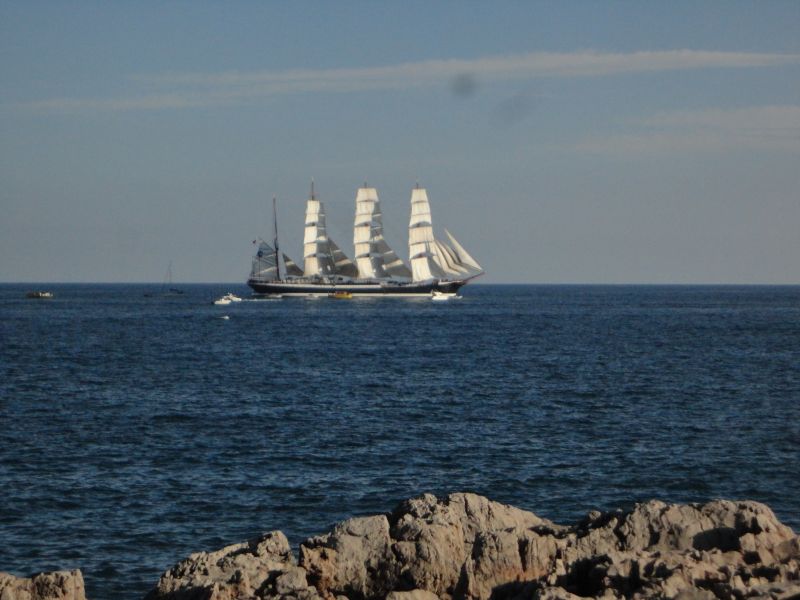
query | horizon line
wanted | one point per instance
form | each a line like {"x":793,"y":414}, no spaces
{"x":502,"y":283}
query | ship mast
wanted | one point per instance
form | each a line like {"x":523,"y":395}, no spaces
{"x":275,"y":222}
{"x":329,"y":270}
{"x":432,"y":258}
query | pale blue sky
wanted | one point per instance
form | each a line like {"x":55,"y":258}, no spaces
{"x":588,"y":142}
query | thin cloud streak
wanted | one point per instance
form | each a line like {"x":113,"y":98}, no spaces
{"x":538,"y":64}
{"x":709,"y":130}
{"x":212,"y":89}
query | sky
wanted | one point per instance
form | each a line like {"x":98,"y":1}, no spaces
{"x":574,"y":142}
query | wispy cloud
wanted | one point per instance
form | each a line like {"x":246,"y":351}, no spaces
{"x":710,"y":130}
{"x":182,"y":90}
{"x":144,"y":102}
{"x":539,"y":64}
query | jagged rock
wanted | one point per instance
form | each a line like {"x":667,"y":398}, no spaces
{"x":355,"y":559}
{"x":260,"y":568}
{"x":466,"y":547}
{"x":442,"y":536}
{"x":58,"y":585}
{"x":424,"y":544}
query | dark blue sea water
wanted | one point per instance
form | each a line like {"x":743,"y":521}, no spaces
{"x":135,"y":430}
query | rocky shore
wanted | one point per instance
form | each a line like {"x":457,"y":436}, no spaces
{"x":58,"y":584}
{"x":466,"y":547}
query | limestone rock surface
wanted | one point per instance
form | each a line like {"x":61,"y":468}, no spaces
{"x":467,"y":547}
{"x":57,"y":585}
{"x":262,"y":568}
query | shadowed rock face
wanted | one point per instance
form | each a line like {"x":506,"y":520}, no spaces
{"x":58,"y":585}
{"x":466,"y":547}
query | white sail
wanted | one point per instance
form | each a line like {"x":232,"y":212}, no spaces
{"x":463,"y":257}
{"x":366,"y":231}
{"x":421,"y":243}
{"x":447,"y":261}
{"x":432,"y":258}
{"x":321,"y":256}
{"x":316,"y":252}
{"x":374,"y":257}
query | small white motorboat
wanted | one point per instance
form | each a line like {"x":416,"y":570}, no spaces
{"x":227,"y":299}
{"x":441,"y":296}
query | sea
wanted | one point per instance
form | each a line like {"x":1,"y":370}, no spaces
{"x":137,"y":427}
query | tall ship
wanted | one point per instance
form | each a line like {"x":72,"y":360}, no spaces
{"x":437,"y":266}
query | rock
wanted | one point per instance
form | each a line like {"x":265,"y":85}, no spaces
{"x":504,"y":557}
{"x":291,"y":581}
{"x":260,"y":568}
{"x":412,"y":595}
{"x":424,"y":544}
{"x":468,"y":530}
{"x":466,"y":547}
{"x":57,"y":585}
{"x":554,"y":594}
{"x":355,"y":559}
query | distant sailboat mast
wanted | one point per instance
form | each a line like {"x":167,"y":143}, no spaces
{"x":166,"y":286}
{"x":167,"y":283}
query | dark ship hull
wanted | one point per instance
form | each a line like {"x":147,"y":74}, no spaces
{"x":307,"y":287}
